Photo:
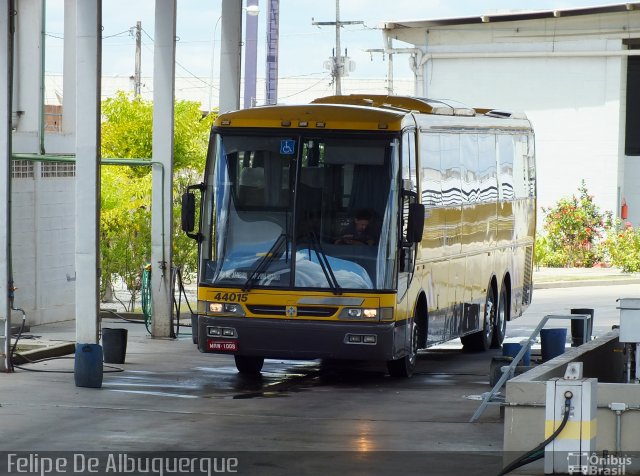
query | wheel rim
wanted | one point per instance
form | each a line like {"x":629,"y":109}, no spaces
{"x":489,"y":317}
{"x":414,"y":345}
{"x":501,"y":317}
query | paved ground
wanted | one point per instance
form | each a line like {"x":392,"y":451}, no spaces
{"x":298,"y":418}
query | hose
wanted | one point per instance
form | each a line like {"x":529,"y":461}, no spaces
{"x":538,"y":452}
{"x":145,"y":296}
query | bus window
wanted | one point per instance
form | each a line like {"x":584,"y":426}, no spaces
{"x":520,"y":168}
{"x":450,"y":160}
{"x":505,"y":159}
{"x":487,"y":176}
{"x":469,"y":159}
{"x":430,"y":174}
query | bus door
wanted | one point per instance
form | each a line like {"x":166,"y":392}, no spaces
{"x":407,"y":251}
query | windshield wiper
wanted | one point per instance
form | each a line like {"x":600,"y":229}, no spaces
{"x":324,"y":264}
{"x":265,"y":261}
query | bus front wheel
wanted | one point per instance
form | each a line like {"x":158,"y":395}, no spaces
{"x":404,"y":366}
{"x":249,"y":365}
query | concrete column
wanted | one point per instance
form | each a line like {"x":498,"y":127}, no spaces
{"x":6,"y":45}
{"x":230,"y":55}
{"x":164,"y":55}
{"x":88,"y":60}
{"x":69,"y":69}
{"x":28,"y":75}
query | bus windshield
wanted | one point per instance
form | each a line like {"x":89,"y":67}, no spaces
{"x":301,"y":212}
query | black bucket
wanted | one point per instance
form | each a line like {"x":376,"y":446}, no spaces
{"x":577,"y":328}
{"x":114,"y":345}
{"x":194,"y":328}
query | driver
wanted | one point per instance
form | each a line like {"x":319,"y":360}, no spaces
{"x":359,"y":231}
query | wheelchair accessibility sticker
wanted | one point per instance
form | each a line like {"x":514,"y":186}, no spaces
{"x":287,"y":146}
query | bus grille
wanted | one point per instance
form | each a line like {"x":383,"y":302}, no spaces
{"x":302,"y":311}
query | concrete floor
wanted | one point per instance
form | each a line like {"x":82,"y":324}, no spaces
{"x":298,"y":418}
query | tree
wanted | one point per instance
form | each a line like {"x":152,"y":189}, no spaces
{"x":125,"y":221}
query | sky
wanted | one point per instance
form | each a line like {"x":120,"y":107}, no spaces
{"x":303,"y":47}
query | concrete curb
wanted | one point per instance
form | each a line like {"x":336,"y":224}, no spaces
{"x":585,"y":282}
{"x":47,"y":352}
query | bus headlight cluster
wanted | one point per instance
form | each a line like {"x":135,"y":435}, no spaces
{"x":225,"y":308}
{"x":359,"y":313}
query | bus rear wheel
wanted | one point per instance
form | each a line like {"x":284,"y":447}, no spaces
{"x":404,"y":366}
{"x":500,"y":322}
{"x":249,"y":365}
{"x":481,"y":341}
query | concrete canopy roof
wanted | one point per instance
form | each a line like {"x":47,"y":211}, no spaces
{"x":509,"y":16}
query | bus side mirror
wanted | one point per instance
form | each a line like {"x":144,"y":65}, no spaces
{"x":188,"y":218}
{"x":415,"y":223}
{"x":188,"y":215}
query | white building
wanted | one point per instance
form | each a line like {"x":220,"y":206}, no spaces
{"x":574,"y":72}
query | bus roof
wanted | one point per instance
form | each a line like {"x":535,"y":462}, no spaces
{"x":353,"y":112}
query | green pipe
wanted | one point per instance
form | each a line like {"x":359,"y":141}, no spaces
{"x":107,"y":161}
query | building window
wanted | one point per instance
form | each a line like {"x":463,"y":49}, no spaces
{"x":57,"y":169}
{"x":632,"y":134}
{"x":22,"y":169}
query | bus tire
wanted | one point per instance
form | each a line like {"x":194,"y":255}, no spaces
{"x":500,"y":321}
{"x":481,"y":341}
{"x":404,"y":366}
{"x":247,"y":364}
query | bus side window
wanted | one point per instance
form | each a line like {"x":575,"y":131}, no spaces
{"x":431,"y":176}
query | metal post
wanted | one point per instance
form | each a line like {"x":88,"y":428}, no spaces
{"x":162,"y":176}
{"x":273,"y":15}
{"x":337,"y":72}
{"x":138,"y":66}
{"x":250,"y":54}
{"x":6,"y":59}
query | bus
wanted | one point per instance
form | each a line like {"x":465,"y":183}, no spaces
{"x":362,"y":227}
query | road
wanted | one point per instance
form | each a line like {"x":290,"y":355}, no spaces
{"x":297,"y":418}
{"x":602,"y":299}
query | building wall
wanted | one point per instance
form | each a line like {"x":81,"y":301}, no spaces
{"x":43,"y":241}
{"x":574,"y":106}
{"x":566,"y":72}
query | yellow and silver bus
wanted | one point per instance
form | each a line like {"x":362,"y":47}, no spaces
{"x":362,"y":227}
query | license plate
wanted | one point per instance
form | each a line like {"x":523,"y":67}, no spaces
{"x":223,"y":345}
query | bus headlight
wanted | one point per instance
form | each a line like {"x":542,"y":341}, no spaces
{"x":225,"y":308}
{"x":359,"y":313}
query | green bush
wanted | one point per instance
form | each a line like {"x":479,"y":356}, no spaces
{"x":622,"y":246}
{"x":572,"y":230}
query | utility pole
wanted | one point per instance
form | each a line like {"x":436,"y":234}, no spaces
{"x":338,"y":61}
{"x":137,"y":80}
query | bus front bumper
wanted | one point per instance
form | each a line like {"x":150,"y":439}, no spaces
{"x":300,"y":339}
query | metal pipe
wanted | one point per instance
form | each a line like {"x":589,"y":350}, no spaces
{"x":41,"y":126}
{"x":618,"y":431}
{"x":103,"y":161}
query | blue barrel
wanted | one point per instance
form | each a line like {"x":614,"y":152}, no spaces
{"x":552,"y":342}
{"x":88,"y":365}
{"x":511,"y":349}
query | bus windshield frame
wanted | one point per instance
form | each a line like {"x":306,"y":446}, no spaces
{"x":296,"y":210}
